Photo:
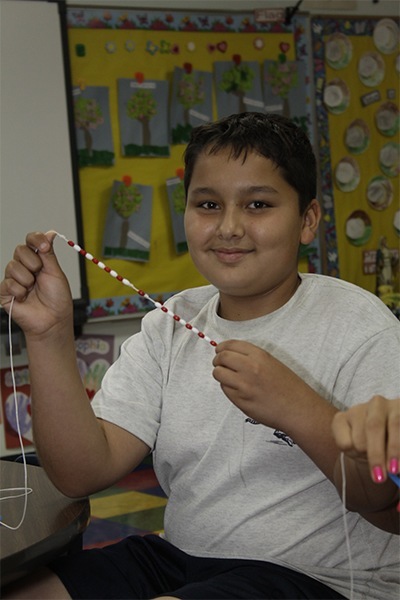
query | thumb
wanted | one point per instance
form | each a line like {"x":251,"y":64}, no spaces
{"x":41,"y":242}
{"x":44,"y":247}
{"x":48,"y":244}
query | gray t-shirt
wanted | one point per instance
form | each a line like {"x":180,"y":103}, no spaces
{"x":240,"y":489}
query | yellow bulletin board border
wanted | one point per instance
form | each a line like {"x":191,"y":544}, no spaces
{"x":107,"y":44}
{"x":355,"y":259}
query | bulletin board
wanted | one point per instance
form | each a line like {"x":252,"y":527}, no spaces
{"x":356,"y":71}
{"x":131,"y":166}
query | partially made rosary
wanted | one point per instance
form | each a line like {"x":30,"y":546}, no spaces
{"x":141,"y":293}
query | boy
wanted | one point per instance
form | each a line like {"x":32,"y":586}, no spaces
{"x":240,"y":434}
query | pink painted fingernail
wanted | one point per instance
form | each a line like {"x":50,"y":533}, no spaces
{"x":394,"y":466}
{"x":377,"y":473}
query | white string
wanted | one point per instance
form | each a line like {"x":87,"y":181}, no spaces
{"x":24,"y":491}
{"x":346,"y":529}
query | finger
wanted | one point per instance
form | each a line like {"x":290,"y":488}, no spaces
{"x":226,"y":377}
{"x":342,"y":431}
{"x":228,"y":359}
{"x":393,"y":437}
{"x":375,"y":429}
{"x":237,"y":346}
{"x":42,"y":244}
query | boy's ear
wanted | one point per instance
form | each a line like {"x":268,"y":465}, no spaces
{"x":311,"y":219}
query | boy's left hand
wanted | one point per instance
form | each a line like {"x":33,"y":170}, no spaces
{"x":256,"y":382}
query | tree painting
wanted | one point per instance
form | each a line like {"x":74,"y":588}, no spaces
{"x":282,"y":77}
{"x":126,"y":200}
{"x":88,"y":115}
{"x":237,"y":81}
{"x":179,"y":198}
{"x":142,"y":106}
{"x":190,"y":92}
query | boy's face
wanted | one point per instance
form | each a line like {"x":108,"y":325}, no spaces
{"x":243,"y":229}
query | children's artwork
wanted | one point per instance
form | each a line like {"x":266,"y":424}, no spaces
{"x":143,"y":117}
{"x":93,"y":126}
{"x":285,"y":89}
{"x":238,"y":86}
{"x":128,"y":222}
{"x":16,"y":411}
{"x":176,"y":199}
{"x":356,"y":104}
{"x":191,"y":101}
{"x":95,"y":354}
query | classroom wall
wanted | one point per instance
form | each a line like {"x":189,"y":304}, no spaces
{"x":120,"y":328}
{"x":337,"y":7}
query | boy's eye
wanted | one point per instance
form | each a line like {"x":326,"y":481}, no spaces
{"x":209,"y":205}
{"x":258,"y":204}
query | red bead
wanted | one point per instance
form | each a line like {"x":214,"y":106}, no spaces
{"x":201,"y":335}
{"x":71,"y":243}
{"x":83,"y":252}
{"x":95,"y":261}
{"x":119,"y":277}
{"x":177,"y":318}
{"x":213,"y":343}
{"x":164,"y":309}
{"x":141,"y":293}
{"x":107,"y":269}
{"x":188,"y":326}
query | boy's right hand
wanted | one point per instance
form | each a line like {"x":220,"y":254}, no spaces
{"x":42,"y":297}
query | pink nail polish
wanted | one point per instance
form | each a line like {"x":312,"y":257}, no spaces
{"x":394,"y":466}
{"x":377,"y":473}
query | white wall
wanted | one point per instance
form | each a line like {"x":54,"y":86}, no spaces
{"x":334,"y":7}
{"x":36,"y":181}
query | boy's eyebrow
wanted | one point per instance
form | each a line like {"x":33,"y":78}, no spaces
{"x":252,"y":189}
{"x":202,"y":190}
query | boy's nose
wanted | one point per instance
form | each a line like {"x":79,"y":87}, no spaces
{"x":230,"y":224}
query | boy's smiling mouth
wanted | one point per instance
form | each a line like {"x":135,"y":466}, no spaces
{"x":230,"y":255}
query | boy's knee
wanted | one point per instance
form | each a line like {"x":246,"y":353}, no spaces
{"x":42,"y":585}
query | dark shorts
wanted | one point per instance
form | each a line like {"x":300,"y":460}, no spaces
{"x":146,"y":567}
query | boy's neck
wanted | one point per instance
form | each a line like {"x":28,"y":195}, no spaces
{"x":238,"y":308}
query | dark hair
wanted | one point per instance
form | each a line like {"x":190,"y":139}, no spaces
{"x":271,"y":135}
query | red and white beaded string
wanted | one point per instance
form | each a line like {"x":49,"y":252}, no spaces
{"x":141,"y":293}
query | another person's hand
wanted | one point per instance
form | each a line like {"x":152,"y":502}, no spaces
{"x":371,"y":431}
{"x":34,"y":279}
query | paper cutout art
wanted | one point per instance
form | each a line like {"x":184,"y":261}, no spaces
{"x":336,"y":96}
{"x":379,"y":192}
{"x":128,"y":222}
{"x":176,"y":200}
{"x":95,"y":354}
{"x":191,"y":101}
{"x":23,"y":398}
{"x":338,"y":50}
{"x":386,"y":36}
{"x":285,"y":90}
{"x":238,"y":86}
{"x":389,"y":159}
{"x":371,"y":69}
{"x":93,"y":126}
{"x":347,"y":174}
{"x":143,"y":117}
{"x":387,"y":119}
{"x":357,"y":136}
{"x":358,"y":228}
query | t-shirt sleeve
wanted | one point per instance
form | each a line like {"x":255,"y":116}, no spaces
{"x":131,"y":391}
{"x":373,"y":369}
